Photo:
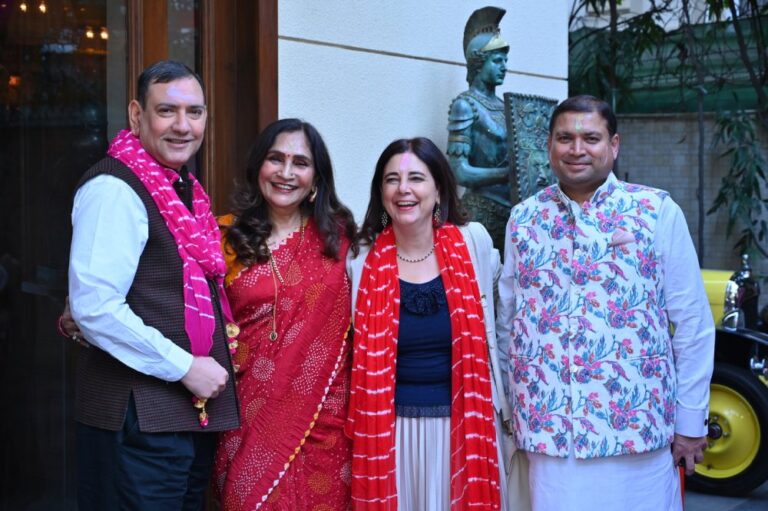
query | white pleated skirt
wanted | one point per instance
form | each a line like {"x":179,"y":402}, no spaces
{"x":632,"y":482}
{"x":423,"y":464}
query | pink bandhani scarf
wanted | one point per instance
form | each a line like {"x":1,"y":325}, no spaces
{"x":197,"y":238}
{"x":371,"y":421}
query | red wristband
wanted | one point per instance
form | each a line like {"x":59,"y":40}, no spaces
{"x":60,"y":327}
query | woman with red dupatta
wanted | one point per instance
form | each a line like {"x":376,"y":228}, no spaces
{"x":427,"y":392}
{"x":290,"y":295}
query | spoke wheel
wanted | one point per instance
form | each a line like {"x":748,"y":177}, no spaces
{"x":736,"y":459}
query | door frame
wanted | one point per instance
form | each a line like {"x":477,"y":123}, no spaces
{"x":238,"y":65}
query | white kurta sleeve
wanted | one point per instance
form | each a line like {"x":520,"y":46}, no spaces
{"x":693,"y":341}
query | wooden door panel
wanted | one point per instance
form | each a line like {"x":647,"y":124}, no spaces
{"x":238,"y":65}
{"x":239,"y":69}
{"x":147,"y":36}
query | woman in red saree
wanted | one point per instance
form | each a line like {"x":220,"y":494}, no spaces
{"x":290,"y":295}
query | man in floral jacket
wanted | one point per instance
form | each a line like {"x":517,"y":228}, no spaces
{"x":608,"y":329}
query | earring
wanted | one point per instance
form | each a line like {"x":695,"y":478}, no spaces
{"x":384,"y":219}
{"x":436,"y":220}
{"x":313,"y":194}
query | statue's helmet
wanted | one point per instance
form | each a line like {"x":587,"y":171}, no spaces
{"x":481,"y":37}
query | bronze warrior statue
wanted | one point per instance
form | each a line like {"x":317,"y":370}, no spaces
{"x":477,"y":131}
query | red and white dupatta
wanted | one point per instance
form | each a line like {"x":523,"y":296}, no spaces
{"x":371,"y":422}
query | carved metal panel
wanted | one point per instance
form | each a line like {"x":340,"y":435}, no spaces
{"x":527,"y":129}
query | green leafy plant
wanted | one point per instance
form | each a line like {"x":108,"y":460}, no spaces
{"x":634,"y":61}
{"x":742,"y":188}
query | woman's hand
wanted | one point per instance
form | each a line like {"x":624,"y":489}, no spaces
{"x":68,"y":328}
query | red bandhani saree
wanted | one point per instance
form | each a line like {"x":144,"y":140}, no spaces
{"x":290,"y":452}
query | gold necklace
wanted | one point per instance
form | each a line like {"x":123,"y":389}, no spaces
{"x":276,"y":275}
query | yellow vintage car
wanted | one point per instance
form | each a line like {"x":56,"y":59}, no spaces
{"x":736,"y":459}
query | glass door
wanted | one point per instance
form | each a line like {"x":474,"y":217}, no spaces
{"x":64,"y":84}
{"x":67,"y":71}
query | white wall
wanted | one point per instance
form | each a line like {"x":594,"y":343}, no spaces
{"x":366,"y":73}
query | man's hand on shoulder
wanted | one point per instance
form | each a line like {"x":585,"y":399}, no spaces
{"x":205,"y":378}
{"x":690,"y":449}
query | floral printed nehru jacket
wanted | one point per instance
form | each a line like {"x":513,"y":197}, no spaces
{"x":591,"y":358}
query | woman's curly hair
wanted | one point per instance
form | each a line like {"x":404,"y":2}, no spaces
{"x":247,"y":236}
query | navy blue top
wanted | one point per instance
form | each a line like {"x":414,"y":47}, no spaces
{"x":423,"y":377}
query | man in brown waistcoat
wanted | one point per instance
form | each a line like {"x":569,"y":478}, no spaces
{"x":145,"y":275}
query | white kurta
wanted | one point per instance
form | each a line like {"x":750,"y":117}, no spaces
{"x":634,"y":482}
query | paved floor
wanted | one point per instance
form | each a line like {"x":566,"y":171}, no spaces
{"x":756,"y":501}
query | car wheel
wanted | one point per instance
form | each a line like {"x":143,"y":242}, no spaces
{"x":736,"y":459}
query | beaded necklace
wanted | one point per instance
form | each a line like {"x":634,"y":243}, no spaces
{"x":418,"y":259}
